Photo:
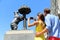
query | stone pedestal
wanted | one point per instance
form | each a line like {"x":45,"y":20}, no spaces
{"x":19,"y":35}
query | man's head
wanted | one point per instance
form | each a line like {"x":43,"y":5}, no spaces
{"x":46,"y":11}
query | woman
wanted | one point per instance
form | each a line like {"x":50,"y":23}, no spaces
{"x":40,"y":24}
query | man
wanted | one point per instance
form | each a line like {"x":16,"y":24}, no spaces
{"x":52,"y":26}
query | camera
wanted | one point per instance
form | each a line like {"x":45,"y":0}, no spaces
{"x":32,"y":18}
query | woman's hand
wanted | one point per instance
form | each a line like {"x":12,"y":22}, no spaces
{"x":38,"y":34}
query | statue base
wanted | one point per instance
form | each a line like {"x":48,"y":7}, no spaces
{"x":19,"y":35}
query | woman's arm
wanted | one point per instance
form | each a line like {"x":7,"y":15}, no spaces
{"x":34,"y":23}
{"x":42,"y":32}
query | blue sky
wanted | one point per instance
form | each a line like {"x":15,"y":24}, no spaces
{"x":7,"y":7}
